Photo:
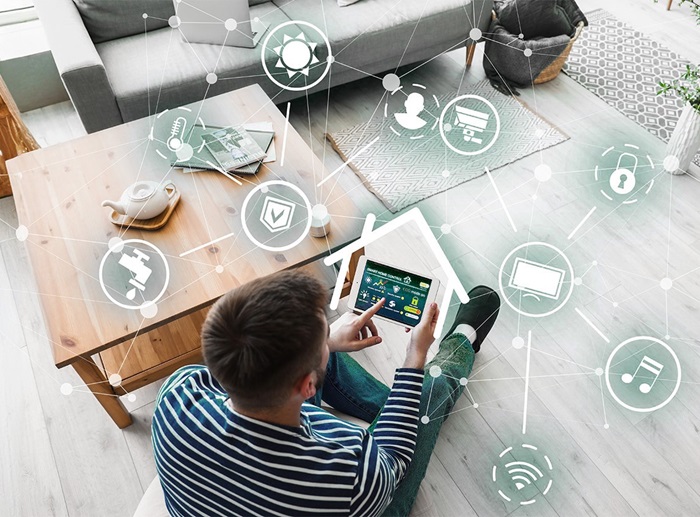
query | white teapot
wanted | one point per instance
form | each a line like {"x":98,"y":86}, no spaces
{"x":143,"y":199}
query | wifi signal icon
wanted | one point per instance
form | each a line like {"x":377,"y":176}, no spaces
{"x":523,"y":473}
{"x":519,"y":474}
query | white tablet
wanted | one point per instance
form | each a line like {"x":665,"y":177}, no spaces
{"x":407,"y":293}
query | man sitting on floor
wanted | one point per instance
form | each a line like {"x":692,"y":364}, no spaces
{"x":246,"y":435}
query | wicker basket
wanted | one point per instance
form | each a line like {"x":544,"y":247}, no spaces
{"x":553,"y":70}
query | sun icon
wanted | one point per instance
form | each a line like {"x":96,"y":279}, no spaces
{"x":296,"y":55}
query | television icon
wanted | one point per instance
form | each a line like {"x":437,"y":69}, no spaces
{"x":472,"y":123}
{"x":536,"y":279}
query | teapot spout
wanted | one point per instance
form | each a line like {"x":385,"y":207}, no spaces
{"x":117,"y":207}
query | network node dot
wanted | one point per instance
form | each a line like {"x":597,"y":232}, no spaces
{"x":671,"y":163}
{"x":66,"y":388}
{"x":174,"y":22}
{"x":131,"y":397}
{"x":435,"y":371}
{"x":578,"y":281}
{"x":219,"y":269}
{"x":543,"y":172}
{"x":391,"y":82}
{"x":184,"y":152}
{"x":534,"y":197}
{"x":330,"y":59}
{"x":144,"y":15}
{"x":149,"y":310}
{"x":606,"y":426}
{"x":599,"y":371}
{"x":115,"y":379}
{"x":518,"y":342}
{"x":22,"y":232}
{"x":527,"y":52}
{"x":212,"y":78}
{"x":447,"y":127}
{"x":264,"y":189}
{"x":230,"y":24}
{"x":615,"y":304}
{"x":667,"y":337}
{"x":319,"y":211}
{"x":666,"y":283}
{"x":463,"y":381}
{"x":445,"y":173}
{"x":475,"y":34}
{"x":476,"y":405}
{"x":446,"y":228}
{"x":595,"y":262}
{"x":116,"y":244}
{"x":424,"y":419}
{"x":521,"y":36}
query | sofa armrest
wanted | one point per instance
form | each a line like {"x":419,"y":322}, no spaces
{"x":79,"y":64}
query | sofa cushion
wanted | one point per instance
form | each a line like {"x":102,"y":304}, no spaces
{"x":106,"y":20}
{"x":169,"y":72}
{"x":372,"y":29}
{"x":540,"y":19}
{"x":110,"y":19}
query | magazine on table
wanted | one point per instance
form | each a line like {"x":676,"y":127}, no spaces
{"x":232,"y":147}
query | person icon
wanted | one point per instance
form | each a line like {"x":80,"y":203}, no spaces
{"x":414,"y":105}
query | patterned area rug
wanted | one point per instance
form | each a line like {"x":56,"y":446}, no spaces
{"x":401,"y":171}
{"x":623,"y":67}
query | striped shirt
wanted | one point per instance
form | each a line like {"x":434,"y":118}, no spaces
{"x":212,"y":460}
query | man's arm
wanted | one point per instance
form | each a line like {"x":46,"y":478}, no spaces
{"x":388,"y":449}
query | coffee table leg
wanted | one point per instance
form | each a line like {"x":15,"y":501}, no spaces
{"x":95,"y":379}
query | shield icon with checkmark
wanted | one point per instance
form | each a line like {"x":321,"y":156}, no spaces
{"x":277,"y":214}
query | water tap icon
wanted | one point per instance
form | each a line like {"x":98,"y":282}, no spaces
{"x":141,"y":272}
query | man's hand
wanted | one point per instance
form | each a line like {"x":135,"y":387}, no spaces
{"x":422,"y":338}
{"x":357,"y":331}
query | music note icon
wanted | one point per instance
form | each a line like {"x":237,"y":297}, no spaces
{"x":651,"y":366}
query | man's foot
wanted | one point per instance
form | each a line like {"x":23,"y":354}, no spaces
{"x":480,"y":313}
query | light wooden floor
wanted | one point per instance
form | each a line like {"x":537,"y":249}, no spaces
{"x":62,"y":456}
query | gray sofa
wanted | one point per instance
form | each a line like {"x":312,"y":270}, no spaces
{"x":118,"y":66}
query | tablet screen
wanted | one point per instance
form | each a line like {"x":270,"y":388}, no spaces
{"x":405,"y":293}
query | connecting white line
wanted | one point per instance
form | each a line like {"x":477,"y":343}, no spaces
{"x":284,"y":138}
{"x":207,"y":244}
{"x":498,"y":193}
{"x":358,"y":153}
{"x":585,"y":318}
{"x":527,"y":379}
{"x":582,"y":221}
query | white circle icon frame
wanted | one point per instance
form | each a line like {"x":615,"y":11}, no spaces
{"x":119,"y":246}
{"x":507,"y":298}
{"x":266,"y":185}
{"x":296,"y":88}
{"x":622,"y":345}
{"x":460,"y":151}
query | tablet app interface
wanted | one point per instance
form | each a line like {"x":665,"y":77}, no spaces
{"x":405,"y":293}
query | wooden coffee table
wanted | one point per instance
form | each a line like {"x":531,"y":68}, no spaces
{"x":58,"y":196}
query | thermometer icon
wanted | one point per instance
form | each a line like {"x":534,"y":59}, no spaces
{"x":176,"y":133}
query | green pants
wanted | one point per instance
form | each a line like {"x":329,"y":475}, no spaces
{"x":351,"y":389}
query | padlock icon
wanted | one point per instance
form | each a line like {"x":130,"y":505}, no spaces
{"x":622,"y":181}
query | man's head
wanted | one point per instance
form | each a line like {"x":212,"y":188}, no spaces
{"x":414,"y":103}
{"x":264,"y":338}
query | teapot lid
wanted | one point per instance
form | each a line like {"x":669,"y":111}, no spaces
{"x":141,"y":190}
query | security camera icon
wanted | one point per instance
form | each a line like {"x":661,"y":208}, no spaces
{"x":277,"y":214}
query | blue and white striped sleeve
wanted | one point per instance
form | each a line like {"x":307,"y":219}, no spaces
{"x":388,"y":449}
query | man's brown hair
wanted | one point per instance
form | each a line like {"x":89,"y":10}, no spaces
{"x":261,"y":338}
